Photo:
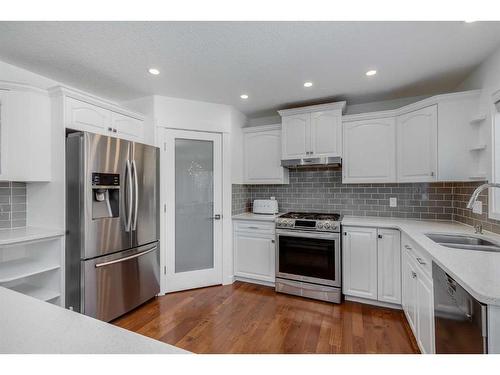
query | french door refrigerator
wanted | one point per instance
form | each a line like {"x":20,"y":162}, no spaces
{"x":112,"y":224}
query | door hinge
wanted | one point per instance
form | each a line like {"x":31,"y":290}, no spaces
{"x":164,"y":208}
{"x":164,"y":146}
{"x":165,"y":270}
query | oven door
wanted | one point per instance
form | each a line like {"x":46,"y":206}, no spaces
{"x":306,"y":256}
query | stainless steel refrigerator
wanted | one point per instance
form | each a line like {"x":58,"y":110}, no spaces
{"x":112,"y":222}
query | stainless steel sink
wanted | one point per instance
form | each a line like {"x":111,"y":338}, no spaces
{"x":465,"y":242}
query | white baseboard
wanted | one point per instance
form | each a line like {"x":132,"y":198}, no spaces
{"x":228,"y":280}
{"x":254,"y":281}
{"x":367,"y":301}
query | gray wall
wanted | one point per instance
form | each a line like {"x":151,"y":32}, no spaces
{"x":12,"y":204}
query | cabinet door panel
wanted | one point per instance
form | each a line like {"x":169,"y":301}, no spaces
{"x":409,"y":291}
{"x":417,"y":145}
{"x":326,"y":133}
{"x":369,"y":151}
{"x":425,"y":314}
{"x":389,"y":266}
{"x":128,"y":127}
{"x":87,"y":117}
{"x":359,"y":256}
{"x":262,"y":157}
{"x":254,"y":256}
{"x":296,"y":136}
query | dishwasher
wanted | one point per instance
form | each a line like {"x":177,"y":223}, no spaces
{"x":460,"y":320}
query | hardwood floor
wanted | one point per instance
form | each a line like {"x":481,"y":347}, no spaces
{"x":249,"y":318}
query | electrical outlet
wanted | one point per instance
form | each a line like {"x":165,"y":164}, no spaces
{"x":393,"y":202}
{"x":478,"y":207}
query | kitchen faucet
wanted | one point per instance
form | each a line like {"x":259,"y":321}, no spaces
{"x":475,"y":194}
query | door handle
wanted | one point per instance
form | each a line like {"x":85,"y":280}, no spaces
{"x":217,"y":217}
{"x":136,"y":201}
{"x":128,"y":218}
{"x":98,"y":265}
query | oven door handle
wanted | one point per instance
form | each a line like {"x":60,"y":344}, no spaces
{"x":302,"y":234}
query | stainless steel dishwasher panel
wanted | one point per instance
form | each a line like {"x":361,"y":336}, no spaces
{"x":460,"y":320}
{"x":115,"y":284}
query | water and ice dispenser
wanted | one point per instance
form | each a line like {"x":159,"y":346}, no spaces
{"x":105,"y":195}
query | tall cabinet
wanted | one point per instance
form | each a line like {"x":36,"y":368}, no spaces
{"x":313,"y":131}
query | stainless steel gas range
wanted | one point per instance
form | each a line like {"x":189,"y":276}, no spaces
{"x":308,"y":255}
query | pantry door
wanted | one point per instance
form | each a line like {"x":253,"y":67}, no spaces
{"x":192,"y":171}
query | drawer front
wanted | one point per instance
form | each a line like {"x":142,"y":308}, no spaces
{"x":254,"y":226}
{"x":417,"y":254}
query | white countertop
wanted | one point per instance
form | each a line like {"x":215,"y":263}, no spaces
{"x":16,"y":235}
{"x":256,"y":217}
{"x":477,"y":271}
{"x":28,"y":325}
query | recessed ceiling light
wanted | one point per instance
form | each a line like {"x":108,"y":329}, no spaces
{"x":371,"y":72}
{"x":308,"y":84}
{"x":153,"y":71}
{"x":244,"y":96}
{"x":469,"y":21}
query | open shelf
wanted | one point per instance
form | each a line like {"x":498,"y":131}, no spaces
{"x":24,"y":267}
{"x":478,"y":147}
{"x":36,"y":292}
{"x":477,"y":120}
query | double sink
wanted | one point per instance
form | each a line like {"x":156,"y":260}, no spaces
{"x":464,"y":242}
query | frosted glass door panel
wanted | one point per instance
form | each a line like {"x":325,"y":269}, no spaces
{"x":194,"y":205}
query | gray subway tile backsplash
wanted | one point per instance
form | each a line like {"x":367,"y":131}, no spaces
{"x":321,"y":189}
{"x":13,"y":204}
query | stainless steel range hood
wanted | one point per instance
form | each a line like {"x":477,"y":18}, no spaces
{"x":322,"y":161}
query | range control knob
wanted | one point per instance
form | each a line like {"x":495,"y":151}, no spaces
{"x":319,"y":226}
{"x":327,"y":225}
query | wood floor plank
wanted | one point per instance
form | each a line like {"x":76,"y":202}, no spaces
{"x":250,"y":318}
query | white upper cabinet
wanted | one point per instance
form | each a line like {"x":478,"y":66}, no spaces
{"x":296,"y":136}
{"x":262,"y":156}
{"x":430,"y":140}
{"x":313,"y":131}
{"x":25,"y":133}
{"x":417,"y":145}
{"x":87,"y":117}
{"x":326,"y":133}
{"x":369,"y":151}
{"x":84,"y":112}
{"x":127,"y":127}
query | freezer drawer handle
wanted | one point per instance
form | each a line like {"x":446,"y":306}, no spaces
{"x":126,"y":258}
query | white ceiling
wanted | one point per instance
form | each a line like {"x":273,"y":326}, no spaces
{"x":218,"y":61}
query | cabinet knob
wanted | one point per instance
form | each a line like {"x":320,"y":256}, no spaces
{"x":432,"y":174}
{"x":345,"y":233}
{"x":273,"y":241}
{"x":413,"y":274}
{"x":110,"y":129}
{"x":379,"y":236}
{"x":114,"y":130}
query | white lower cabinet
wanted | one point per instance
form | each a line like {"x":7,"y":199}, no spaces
{"x":418,"y":296}
{"x":389,"y":266}
{"x":359,"y":262}
{"x":254,"y":251}
{"x":372,"y":264}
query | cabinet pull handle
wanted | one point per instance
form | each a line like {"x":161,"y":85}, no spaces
{"x":419,"y":260}
{"x":345,"y":233}
{"x":253,"y":227}
{"x":110,"y":129}
{"x":432,"y":174}
{"x":273,"y":241}
{"x":407,"y":247}
{"x":379,"y":236}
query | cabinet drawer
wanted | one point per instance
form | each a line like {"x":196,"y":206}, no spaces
{"x":416,"y":253}
{"x":254,"y":226}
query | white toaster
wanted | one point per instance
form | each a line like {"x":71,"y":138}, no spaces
{"x":265,"y":206}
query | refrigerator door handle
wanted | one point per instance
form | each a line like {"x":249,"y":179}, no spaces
{"x":126,"y":258}
{"x":128,"y":218}
{"x":136,"y":199}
